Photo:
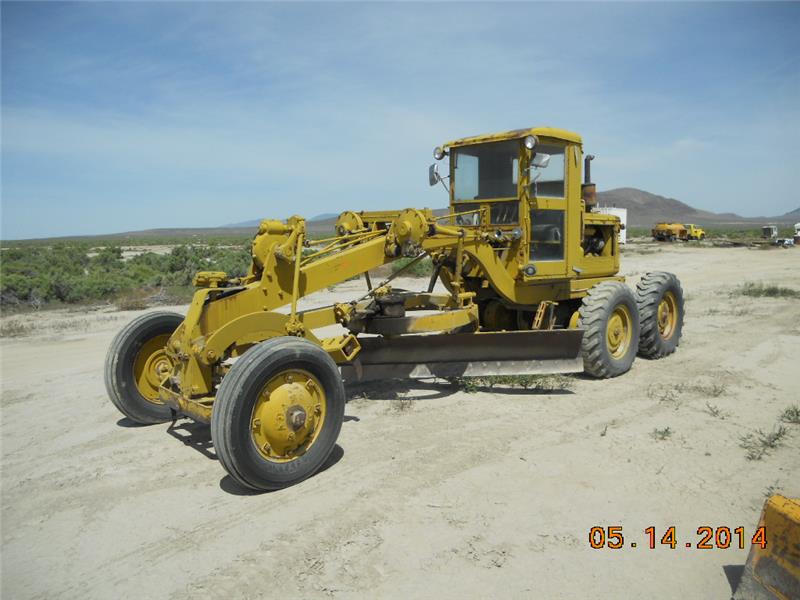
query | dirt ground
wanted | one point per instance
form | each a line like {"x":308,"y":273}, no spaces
{"x":430,"y":492}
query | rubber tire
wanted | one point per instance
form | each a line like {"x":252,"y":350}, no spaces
{"x":595,"y":310}
{"x":649,"y":292}
{"x":119,"y":379}
{"x":233,"y":407}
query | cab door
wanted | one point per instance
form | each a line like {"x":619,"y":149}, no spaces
{"x":547,"y":189}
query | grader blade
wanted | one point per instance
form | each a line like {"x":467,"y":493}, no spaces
{"x":467,"y":355}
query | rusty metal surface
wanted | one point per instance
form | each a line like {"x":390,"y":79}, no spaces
{"x":589,"y":193}
{"x":541,"y":132}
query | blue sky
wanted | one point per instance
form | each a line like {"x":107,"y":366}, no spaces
{"x":125,"y":116}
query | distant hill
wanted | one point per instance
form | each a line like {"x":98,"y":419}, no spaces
{"x":646,"y":209}
{"x":257,"y":222}
{"x":793,"y":215}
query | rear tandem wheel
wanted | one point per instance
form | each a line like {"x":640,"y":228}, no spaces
{"x":660,"y":299}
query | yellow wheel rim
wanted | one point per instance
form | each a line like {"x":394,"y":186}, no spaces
{"x":667,"y":315}
{"x":619,"y":331}
{"x":288,"y":415}
{"x":151,"y":367}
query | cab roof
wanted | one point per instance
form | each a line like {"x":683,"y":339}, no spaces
{"x":548,"y":132}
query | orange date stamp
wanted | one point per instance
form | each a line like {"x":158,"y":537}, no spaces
{"x":611,"y":537}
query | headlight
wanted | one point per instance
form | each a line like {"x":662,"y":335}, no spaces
{"x":530,"y":142}
{"x":438,"y":153}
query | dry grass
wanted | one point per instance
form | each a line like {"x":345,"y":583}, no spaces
{"x":132,"y":303}
{"x":773,"y":489}
{"x":710,"y":390}
{"x":11,"y":328}
{"x":791,"y":415}
{"x":662,"y":434}
{"x":761,"y":290}
{"x":675,"y":393}
{"x":402,"y":405}
{"x":759,"y":443}
{"x":15,"y":328}
{"x":543,"y":383}
{"x":715,"y":411}
{"x":663,"y":392}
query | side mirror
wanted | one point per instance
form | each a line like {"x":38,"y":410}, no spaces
{"x":433,"y":174}
{"x":540,"y":160}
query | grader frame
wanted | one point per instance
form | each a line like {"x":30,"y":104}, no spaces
{"x":530,"y":273}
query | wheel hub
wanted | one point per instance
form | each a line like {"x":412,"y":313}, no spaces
{"x":667,"y":315}
{"x":288,"y":415}
{"x":618,"y":331}
{"x":151,"y":367}
{"x":296,"y":417}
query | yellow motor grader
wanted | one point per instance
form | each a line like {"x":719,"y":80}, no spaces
{"x":531,"y":285}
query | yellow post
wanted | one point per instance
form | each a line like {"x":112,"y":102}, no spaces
{"x":459,"y":266}
{"x":298,"y":257}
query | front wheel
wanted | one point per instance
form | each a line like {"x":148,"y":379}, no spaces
{"x":610,"y":319}
{"x":137,"y":364}
{"x":278,"y":413}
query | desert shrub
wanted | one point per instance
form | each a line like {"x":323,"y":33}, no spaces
{"x":758,"y":443}
{"x":761,"y":290}
{"x":791,"y":414}
{"x":11,"y":328}
{"x":73,"y":273}
{"x":661,"y":434}
{"x":543,"y":383}
{"x":422,"y":268}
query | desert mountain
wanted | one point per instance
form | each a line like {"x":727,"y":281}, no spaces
{"x":646,"y":209}
{"x":256,"y":222}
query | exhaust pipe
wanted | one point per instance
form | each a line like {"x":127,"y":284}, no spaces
{"x":588,"y":189}
{"x":587,"y":168}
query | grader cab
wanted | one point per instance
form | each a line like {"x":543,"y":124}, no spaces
{"x":531,"y":285}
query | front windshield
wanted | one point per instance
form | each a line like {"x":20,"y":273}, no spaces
{"x":486,"y":171}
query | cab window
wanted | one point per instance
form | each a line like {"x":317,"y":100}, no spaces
{"x":547,"y":235}
{"x":548,"y":182}
{"x":504,"y":213}
{"x":486,"y":171}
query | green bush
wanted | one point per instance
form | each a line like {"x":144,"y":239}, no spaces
{"x":74,"y":272}
{"x":421,"y":268}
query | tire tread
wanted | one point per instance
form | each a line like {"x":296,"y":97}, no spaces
{"x":649,"y":292}
{"x":149,"y":413}
{"x":593,"y":312}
